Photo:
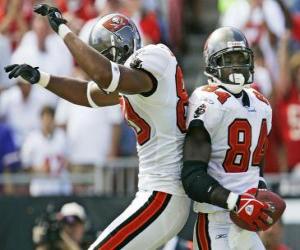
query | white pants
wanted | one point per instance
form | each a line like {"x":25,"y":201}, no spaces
{"x":216,"y":231}
{"x":152,"y":219}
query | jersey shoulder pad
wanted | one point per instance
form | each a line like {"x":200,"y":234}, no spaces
{"x":211,"y":94}
{"x":262,"y":104}
{"x":154,"y":59}
{"x":206,"y":107}
{"x":257,"y":95}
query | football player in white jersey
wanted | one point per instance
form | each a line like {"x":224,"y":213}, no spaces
{"x":151,"y":91}
{"x":228,"y":125}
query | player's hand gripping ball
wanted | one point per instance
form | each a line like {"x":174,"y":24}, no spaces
{"x":277,"y":207}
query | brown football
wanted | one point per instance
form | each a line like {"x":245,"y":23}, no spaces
{"x":266,"y":196}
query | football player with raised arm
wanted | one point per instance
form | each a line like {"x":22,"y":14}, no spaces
{"x":228,"y":125}
{"x":149,"y":84}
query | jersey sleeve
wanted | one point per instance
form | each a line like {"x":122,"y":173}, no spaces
{"x":154,"y":59}
{"x":202,"y":106}
{"x":161,"y":65}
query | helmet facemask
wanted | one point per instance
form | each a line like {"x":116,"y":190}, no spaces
{"x":115,"y":54}
{"x":232,"y":68}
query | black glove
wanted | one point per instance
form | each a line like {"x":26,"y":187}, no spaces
{"x":54,"y":15}
{"x":27,"y":72}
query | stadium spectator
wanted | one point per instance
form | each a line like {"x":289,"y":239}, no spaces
{"x":82,"y":9}
{"x":146,"y":19}
{"x":262,"y":78}
{"x":73,"y":219}
{"x":5,"y":52}
{"x":9,"y":158}
{"x":77,"y":12}
{"x":92,"y":134}
{"x":272,"y":238}
{"x":44,"y":153}
{"x":20,"y":107}
{"x":43,"y":49}
{"x":287,"y":106}
{"x":14,"y":18}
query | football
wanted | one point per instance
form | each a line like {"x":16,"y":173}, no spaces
{"x":266,"y":196}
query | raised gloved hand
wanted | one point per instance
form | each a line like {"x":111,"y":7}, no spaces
{"x":253,"y":211}
{"x":54,"y":15}
{"x":27,"y":72}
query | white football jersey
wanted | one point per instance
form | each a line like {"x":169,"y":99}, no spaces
{"x":159,"y":120}
{"x":238,"y":128}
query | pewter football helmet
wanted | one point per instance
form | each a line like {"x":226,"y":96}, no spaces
{"x":116,"y":37}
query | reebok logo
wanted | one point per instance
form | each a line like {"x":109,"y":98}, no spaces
{"x":221,"y":236}
{"x":249,"y":209}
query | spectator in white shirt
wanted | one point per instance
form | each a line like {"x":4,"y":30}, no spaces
{"x":44,"y":152}
{"x":45,"y":50}
{"x":5,"y":52}
{"x":93,"y":134}
{"x":21,"y":105}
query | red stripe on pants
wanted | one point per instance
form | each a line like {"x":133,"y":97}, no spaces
{"x":136,"y":223}
{"x":201,"y":231}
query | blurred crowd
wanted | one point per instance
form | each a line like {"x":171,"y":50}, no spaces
{"x":41,"y":133}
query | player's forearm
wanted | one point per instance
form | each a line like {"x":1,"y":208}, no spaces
{"x":93,"y":63}
{"x":198,"y":184}
{"x":79,"y":92}
{"x":201,"y":187}
{"x":72,"y":90}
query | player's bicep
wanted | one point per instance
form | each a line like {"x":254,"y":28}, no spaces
{"x":100,"y":98}
{"x":197,"y":143}
{"x":135,"y":81}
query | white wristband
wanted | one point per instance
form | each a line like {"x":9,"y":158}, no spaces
{"x":44,"y":79}
{"x":88,"y":94}
{"x":63,"y":30}
{"x":115,"y":72}
{"x":232,"y":200}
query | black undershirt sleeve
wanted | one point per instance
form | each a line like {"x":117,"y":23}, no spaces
{"x":198,"y":184}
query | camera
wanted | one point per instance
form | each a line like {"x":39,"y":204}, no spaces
{"x":46,"y":232}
